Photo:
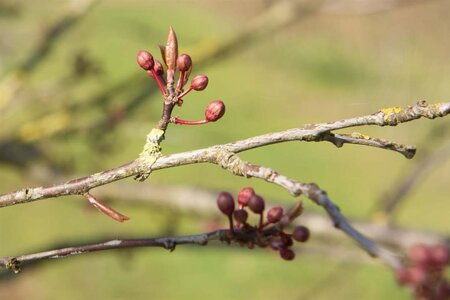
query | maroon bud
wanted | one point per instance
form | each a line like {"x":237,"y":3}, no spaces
{"x":417,"y":275}
{"x":159,"y":70}
{"x":403,"y":277}
{"x":300,"y":234}
{"x":256,"y":204}
{"x":419,"y":254}
{"x":274,"y":214}
{"x":145,"y":60}
{"x":244,"y":195}
{"x":240,"y":216}
{"x":276,"y":244}
{"x":199,"y":82}
{"x":443,"y":290}
{"x":287,"y":254}
{"x":439,"y":255}
{"x":214,"y":111}
{"x":225,"y":203}
{"x":184,"y":63}
{"x":286,"y":241}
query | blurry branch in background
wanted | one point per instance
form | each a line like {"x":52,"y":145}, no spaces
{"x":435,"y":149}
{"x":14,"y":80}
{"x":225,"y":157}
{"x":201,"y":202}
{"x":366,"y":6}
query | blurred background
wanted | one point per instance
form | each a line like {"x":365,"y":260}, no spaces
{"x":73,"y":102}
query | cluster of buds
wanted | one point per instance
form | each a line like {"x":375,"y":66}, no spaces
{"x":181,"y":65}
{"x":426,"y":272}
{"x":267,"y":233}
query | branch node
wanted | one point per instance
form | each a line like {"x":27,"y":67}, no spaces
{"x":14,"y":265}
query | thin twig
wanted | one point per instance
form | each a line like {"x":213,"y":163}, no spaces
{"x":240,"y":236}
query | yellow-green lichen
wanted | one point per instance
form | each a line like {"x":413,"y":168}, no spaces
{"x":387,"y":112}
{"x":358,"y":135}
{"x":150,"y":153}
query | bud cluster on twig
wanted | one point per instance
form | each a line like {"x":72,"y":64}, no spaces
{"x":174,"y":94}
{"x":262,"y":234}
{"x":426,"y":272}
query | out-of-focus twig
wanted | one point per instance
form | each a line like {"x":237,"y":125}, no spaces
{"x":14,"y":80}
{"x":432,"y":157}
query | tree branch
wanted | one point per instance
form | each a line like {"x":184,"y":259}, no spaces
{"x":309,"y":133}
{"x":224,"y":156}
{"x":240,"y":236}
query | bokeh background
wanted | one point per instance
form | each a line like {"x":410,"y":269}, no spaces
{"x":73,"y":102}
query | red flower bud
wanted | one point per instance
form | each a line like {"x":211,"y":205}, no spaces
{"x":439,"y":255}
{"x":145,"y":60}
{"x":158,"y":68}
{"x":419,"y":254}
{"x":287,"y":254}
{"x":199,"y":82}
{"x":244,"y":195}
{"x":301,"y":234}
{"x":214,"y":111}
{"x":274,"y":214}
{"x":184,"y":62}
{"x":256,"y":204}
{"x":240,"y":216}
{"x":225,"y":203}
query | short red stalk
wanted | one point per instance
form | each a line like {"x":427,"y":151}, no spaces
{"x":185,"y":122}
{"x":158,"y":82}
{"x":230,"y":219}
{"x":261,"y":225}
{"x":181,"y":82}
{"x":185,"y":93}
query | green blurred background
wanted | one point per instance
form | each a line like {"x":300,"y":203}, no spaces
{"x":78,"y":103}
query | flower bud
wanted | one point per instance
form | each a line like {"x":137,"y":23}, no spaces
{"x":158,"y":68}
{"x":439,"y":255}
{"x":240,"y":216}
{"x":225,"y":203}
{"x":145,"y":60}
{"x":403,"y":276}
{"x":287,"y":241}
{"x":274,"y":214}
{"x":300,"y":234}
{"x":184,"y":62}
{"x":199,"y":82}
{"x":244,"y":195}
{"x":419,"y":254}
{"x":287,"y":254}
{"x":214,"y":111}
{"x":256,"y":204}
